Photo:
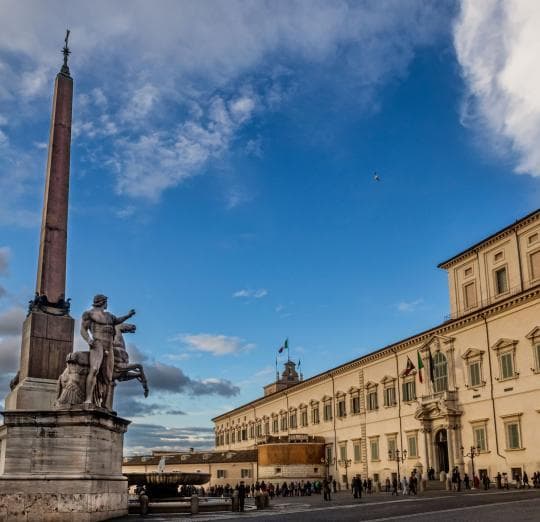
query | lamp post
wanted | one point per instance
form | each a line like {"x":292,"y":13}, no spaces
{"x":397,"y":457}
{"x":346,"y":463}
{"x":327,"y":463}
{"x":473,"y":452}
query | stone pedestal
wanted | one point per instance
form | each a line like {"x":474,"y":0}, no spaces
{"x":62,"y":466}
{"x":46,"y":341}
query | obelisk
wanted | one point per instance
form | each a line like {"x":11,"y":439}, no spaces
{"x":47,"y":335}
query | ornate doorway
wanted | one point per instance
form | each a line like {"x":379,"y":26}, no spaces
{"x":441,"y":444}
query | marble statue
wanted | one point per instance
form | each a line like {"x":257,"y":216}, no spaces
{"x":123,"y":369}
{"x":71,"y":383}
{"x":98,"y":330}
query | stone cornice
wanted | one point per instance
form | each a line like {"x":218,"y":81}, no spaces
{"x":497,"y":236}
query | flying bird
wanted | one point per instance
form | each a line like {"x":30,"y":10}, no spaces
{"x":376,"y":177}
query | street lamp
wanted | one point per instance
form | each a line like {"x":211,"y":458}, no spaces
{"x":346,"y":463}
{"x":398,"y":457}
{"x":328,"y":462}
{"x":473,"y":452}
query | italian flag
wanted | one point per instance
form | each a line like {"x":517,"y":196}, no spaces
{"x":420,"y":366}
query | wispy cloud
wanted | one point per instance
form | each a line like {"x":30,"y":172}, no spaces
{"x":497,"y":46}
{"x":218,"y":345}
{"x":409,"y":306}
{"x":251,"y":294}
{"x":162,"y":100}
{"x":142,"y":438}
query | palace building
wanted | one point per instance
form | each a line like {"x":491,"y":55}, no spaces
{"x":480,"y":386}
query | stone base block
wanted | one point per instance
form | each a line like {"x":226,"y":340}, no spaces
{"x":32,"y":394}
{"x":62,"y":466}
{"x":61,"y":499}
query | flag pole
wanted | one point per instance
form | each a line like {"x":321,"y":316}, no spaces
{"x":277,"y":373}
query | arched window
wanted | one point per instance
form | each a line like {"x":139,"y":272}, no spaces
{"x":440,"y":373}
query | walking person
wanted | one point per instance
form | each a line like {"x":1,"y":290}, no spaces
{"x":241,"y":495}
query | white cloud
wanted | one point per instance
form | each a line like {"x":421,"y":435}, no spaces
{"x":409,"y":306}
{"x":215,"y":344}
{"x":497,"y":46}
{"x":251,"y":294}
{"x":160,"y":64}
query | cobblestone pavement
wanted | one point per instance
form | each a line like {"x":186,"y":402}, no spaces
{"x":443,"y":506}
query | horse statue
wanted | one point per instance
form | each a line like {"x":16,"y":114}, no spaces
{"x":123,"y":369}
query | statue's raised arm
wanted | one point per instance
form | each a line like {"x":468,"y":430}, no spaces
{"x":122,"y":318}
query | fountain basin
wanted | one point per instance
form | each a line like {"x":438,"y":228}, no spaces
{"x":165,"y":484}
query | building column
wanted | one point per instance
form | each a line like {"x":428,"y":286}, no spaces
{"x":458,"y":443}
{"x":431,"y":449}
{"x":450,"y":445}
{"x":427,"y":461}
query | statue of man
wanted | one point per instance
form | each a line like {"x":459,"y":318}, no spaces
{"x":97,"y":329}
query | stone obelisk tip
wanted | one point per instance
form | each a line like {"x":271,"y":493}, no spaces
{"x":66,"y":52}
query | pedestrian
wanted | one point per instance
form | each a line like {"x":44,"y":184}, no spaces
{"x":334,"y":485}
{"x":466,"y":481}
{"x":143,"y":500}
{"x":394,"y":486}
{"x":499,"y":480}
{"x":241,"y":495}
{"x":525,"y":480}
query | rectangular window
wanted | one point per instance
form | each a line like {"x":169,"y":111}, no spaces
{"x":329,"y":453}
{"x":372,"y":400}
{"x":355,"y":404}
{"x":292,"y":421}
{"x":303,"y":418}
{"x":251,"y":431}
{"x":480,"y":441}
{"x":507,"y":365}
{"x":328,"y":411}
{"x":390,"y":396}
{"x":535,"y":265}
{"x":284,"y":423}
{"x":501,"y":281}
{"x":409,"y":391}
{"x":475,"y":377}
{"x":374,"y":449}
{"x":244,"y":434}
{"x":512,"y":435}
{"x":267,"y":428}
{"x":357,"y":451}
{"x":392,"y":446}
{"x":469,"y":295}
{"x":275,"y":427}
{"x":341,"y":408}
{"x":233,"y":437}
{"x":537,"y":353}
{"x":315,"y":415}
{"x":221,"y":473}
{"x":412,"y":445}
{"x":258,"y":430}
{"x":245,"y":473}
{"x":343,"y":452}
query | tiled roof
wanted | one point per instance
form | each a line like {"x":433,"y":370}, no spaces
{"x":209,"y":457}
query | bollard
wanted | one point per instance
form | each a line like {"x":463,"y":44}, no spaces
{"x":235,"y":504}
{"x":194,"y":504}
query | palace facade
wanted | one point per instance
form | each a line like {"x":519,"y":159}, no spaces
{"x":480,"y":385}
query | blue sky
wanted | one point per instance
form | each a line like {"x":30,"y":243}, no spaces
{"x":222,"y":178}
